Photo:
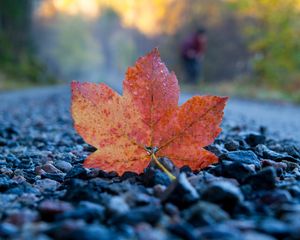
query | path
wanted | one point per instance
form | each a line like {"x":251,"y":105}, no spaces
{"x":283,"y":120}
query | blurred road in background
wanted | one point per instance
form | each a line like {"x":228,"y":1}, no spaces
{"x":282,"y":120}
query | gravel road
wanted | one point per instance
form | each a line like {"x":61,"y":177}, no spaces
{"x":252,"y":193}
{"x":282,"y":120}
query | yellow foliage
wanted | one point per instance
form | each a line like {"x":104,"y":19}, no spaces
{"x":149,"y":17}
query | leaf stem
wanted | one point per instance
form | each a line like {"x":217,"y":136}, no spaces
{"x":170,"y":175}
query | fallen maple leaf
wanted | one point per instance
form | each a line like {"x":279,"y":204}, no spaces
{"x":146,"y":120}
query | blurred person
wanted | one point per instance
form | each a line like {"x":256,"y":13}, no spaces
{"x":192,"y":53}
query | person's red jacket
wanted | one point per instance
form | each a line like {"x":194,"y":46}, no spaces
{"x":193,"y":46}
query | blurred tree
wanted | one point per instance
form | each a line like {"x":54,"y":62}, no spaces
{"x":69,"y":48}
{"x":15,"y":24}
{"x":17,"y":58}
{"x":273,"y":30}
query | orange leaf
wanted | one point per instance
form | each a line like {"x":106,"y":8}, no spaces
{"x":147,"y":115}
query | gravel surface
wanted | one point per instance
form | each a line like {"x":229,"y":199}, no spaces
{"x":252,"y":193}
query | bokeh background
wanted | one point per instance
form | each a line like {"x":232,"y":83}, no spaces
{"x":253,"y":47}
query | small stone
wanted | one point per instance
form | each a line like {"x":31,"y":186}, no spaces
{"x":63,"y":165}
{"x":205,"y":213}
{"x":22,"y":188}
{"x":59,"y":177}
{"x":150,"y":214}
{"x":50,"y":208}
{"x":251,"y":235}
{"x":277,"y":196}
{"x":216,"y":149}
{"x":28,"y":199}
{"x":153,"y":176}
{"x":12,"y":160}
{"x":88,"y":211}
{"x":276,"y":165}
{"x":39,"y":171}
{"x":109,"y":175}
{"x":47,"y":185}
{"x":225,"y":194}
{"x":5,"y":183}
{"x":246,"y":157}
{"x":26,"y":162}
{"x":236,"y":170}
{"x":129,"y":175}
{"x":264,"y":179}
{"x":186,"y":169}
{"x":3,"y":163}
{"x":171,"y":209}
{"x":274,"y":227}
{"x":78,"y":190}
{"x":146,"y":232}
{"x":168,"y":164}
{"x":231,"y":145}
{"x":3,"y":142}
{"x":292,"y":150}
{"x":266,"y":153}
{"x":180,"y":192}
{"x":92,"y":173}
{"x":97,"y":209}
{"x":253,"y":139}
{"x":8,"y":231}
{"x":182,"y":231}
{"x":6,"y":171}
{"x":294,"y":191}
{"x":91,"y":232}
{"x":290,"y":165}
{"x":19,"y":179}
{"x":77,"y":172}
{"x":49,"y":168}
{"x":158,"y":190}
{"x":117,"y":205}
{"x":19,"y":218}
{"x":219,"y":232}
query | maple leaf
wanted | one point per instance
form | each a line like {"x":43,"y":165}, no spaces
{"x":146,"y":120}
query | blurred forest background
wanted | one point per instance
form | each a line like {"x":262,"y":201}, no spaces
{"x":253,"y":45}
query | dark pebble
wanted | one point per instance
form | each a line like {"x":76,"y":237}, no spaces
{"x":77,"y":172}
{"x":205,"y":213}
{"x":63,"y":165}
{"x":180,"y":192}
{"x":88,"y":211}
{"x":264,"y":179}
{"x":117,"y":205}
{"x":253,"y":139}
{"x":183,"y":231}
{"x":231,"y":145}
{"x":150,"y":214}
{"x":49,"y":208}
{"x":246,"y":157}
{"x":59,"y":177}
{"x":8,"y":231}
{"x":225,"y":194}
{"x":219,"y":232}
{"x":236,"y":170}
{"x":49,"y":168}
{"x":266,"y":153}
{"x":91,"y":232}
{"x":274,"y":227}
{"x":19,"y":218}
{"x":153,"y":176}
{"x":47,"y":185}
{"x":5,"y":183}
